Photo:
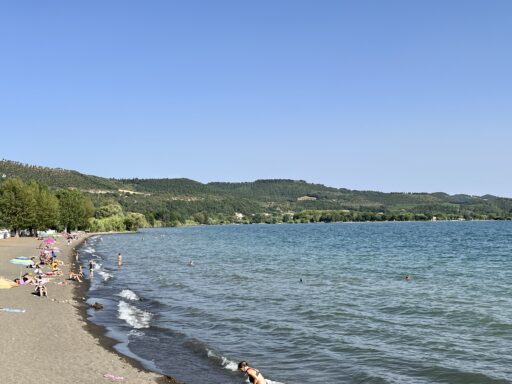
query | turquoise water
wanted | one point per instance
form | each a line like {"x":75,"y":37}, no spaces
{"x":352,"y":319}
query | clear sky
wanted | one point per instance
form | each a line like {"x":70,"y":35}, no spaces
{"x":409,"y":96}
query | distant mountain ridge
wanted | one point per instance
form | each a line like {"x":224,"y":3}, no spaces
{"x":169,"y":199}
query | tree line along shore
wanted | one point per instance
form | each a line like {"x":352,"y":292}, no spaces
{"x":36,"y":198}
{"x":32,"y":206}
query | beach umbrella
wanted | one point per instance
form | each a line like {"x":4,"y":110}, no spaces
{"x":21,"y":260}
{"x":49,"y":240}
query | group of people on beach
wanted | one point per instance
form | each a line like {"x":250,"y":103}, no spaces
{"x":48,"y":259}
{"x":47,"y":265}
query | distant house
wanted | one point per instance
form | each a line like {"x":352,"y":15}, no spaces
{"x":306,"y":198}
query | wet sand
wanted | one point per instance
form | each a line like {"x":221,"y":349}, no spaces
{"x":51,"y":342}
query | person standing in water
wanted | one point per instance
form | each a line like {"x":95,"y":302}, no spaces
{"x":91,"y":267}
{"x":255,"y":376}
{"x":119,"y":259}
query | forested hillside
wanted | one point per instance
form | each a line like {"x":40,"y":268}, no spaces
{"x":185,"y":201}
{"x":55,"y":177}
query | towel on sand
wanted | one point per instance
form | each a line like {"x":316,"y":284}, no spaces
{"x":6,"y":284}
{"x":112,"y":377}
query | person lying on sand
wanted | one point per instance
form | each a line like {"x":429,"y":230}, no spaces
{"x":75,"y":276}
{"x":25,"y":280}
{"x":29,"y":279}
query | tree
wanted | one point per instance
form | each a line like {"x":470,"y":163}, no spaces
{"x":17,"y":205}
{"x":75,"y":209}
{"x":200,"y":217}
{"x":47,"y":207}
{"x":108,"y":210}
{"x":134,"y":221}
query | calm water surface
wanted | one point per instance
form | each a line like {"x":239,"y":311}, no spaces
{"x":352,"y":319}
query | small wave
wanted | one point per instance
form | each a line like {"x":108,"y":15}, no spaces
{"x":230,"y":365}
{"x":134,"y":316}
{"x":136,"y":333}
{"x":226,"y":363}
{"x":129,"y":295}
{"x":105,"y":275}
{"x":89,"y":250}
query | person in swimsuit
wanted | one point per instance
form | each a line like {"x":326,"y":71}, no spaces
{"x":255,"y":376}
{"x":91,"y":267}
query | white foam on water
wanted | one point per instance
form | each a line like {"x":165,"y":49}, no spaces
{"x":105,"y":275}
{"x":129,"y":295}
{"x":89,"y":250}
{"x":135,"y":333}
{"x":133,"y":316}
{"x":229,"y":364}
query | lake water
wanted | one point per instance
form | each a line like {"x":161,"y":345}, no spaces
{"x":312,"y":303}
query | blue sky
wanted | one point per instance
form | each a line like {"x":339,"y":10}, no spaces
{"x":410,"y":96}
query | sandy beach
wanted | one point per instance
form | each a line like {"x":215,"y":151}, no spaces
{"x":51,"y":342}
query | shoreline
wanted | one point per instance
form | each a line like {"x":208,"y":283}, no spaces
{"x":99,"y":331}
{"x":52,"y":337}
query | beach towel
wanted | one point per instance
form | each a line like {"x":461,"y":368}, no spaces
{"x":111,"y":377}
{"x":6,"y":284}
{"x":13,"y":310}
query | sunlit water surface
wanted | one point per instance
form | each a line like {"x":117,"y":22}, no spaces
{"x":312,"y":303}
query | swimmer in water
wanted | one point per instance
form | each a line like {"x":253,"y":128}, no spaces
{"x":255,"y":376}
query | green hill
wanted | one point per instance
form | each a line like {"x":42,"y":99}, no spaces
{"x":56,"y":177}
{"x":174,"y":201}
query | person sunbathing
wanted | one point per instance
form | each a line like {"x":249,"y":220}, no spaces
{"x":25,"y":280}
{"x":75,"y":276}
{"x":28,"y":279}
{"x":55,"y":272}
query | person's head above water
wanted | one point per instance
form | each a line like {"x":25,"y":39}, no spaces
{"x":242,"y":365}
